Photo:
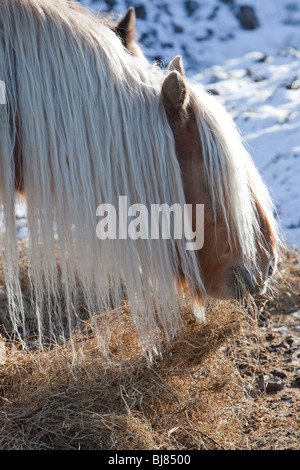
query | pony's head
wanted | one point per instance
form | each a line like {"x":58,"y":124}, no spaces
{"x":240,"y":237}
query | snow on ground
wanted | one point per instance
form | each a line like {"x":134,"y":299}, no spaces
{"x":208,"y":32}
{"x":262,"y":93}
{"x":254,"y":73}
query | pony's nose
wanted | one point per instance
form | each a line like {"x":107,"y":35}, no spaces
{"x":244,"y":282}
{"x":249,"y":282}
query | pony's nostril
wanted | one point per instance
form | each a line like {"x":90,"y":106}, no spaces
{"x":271,"y":269}
{"x":272,"y":266}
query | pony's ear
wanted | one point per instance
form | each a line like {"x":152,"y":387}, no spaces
{"x":175,"y":97}
{"x":177,"y":64}
{"x":126,"y":27}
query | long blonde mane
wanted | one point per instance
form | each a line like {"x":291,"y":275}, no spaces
{"x":235,"y":183}
{"x":92,"y":128}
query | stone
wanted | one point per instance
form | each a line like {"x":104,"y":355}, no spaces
{"x":191,"y":6}
{"x":261,"y":383}
{"x":275,"y":385}
{"x":110,"y":3}
{"x":296,"y":381}
{"x":279,"y":374}
{"x":269,"y":384}
{"x":247,"y":17}
{"x":177,"y":28}
{"x":140,"y":12}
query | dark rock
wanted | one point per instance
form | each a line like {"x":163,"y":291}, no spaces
{"x":262,"y":59}
{"x":110,"y":3}
{"x":290,"y":340}
{"x":191,"y":6}
{"x":213,"y":91}
{"x":148,"y":38}
{"x":274,"y":385}
{"x":259,"y":79}
{"x":270,"y":337}
{"x":213,"y":14}
{"x":140,"y":12}
{"x":296,"y":382}
{"x":279,"y":374}
{"x":177,"y":28}
{"x":269,"y":384}
{"x":209,"y":33}
{"x":247,"y":17}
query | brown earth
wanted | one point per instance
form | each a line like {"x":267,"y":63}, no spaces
{"x":231,"y":383}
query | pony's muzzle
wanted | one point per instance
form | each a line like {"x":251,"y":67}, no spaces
{"x":246,"y":282}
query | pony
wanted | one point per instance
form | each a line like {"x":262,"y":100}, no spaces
{"x":86,"y":122}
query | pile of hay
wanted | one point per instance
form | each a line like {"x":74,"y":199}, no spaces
{"x":195,"y":396}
